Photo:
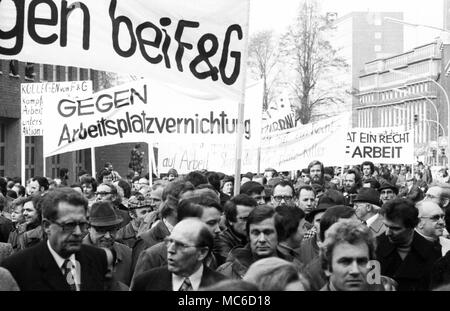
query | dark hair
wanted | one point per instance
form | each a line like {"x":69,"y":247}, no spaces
{"x":21,"y":190}
{"x":329,"y":170}
{"x":251,"y":187}
{"x":82,"y":172}
{"x":187,"y":209}
{"x":230,"y":207}
{"x":316,"y":162}
{"x":284,"y":183}
{"x":51,"y":200}
{"x":76,"y":185}
{"x":62,"y":172}
{"x":332,"y":215}
{"x":213,"y":179}
{"x":107,"y":164}
{"x":126,"y":188}
{"x":176,"y":188}
{"x":89,"y":180}
{"x":11,"y":194}
{"x":401,"y":209}
{"x":42,"y":181}
{"x":419,"y":173}
{"x":196,"y":178}
{"x":137,"y":146}
{"x":357,"y":176}
{"x":103,"y":173}
{"x":206,"y":186}
{"x":372,"y":167}
{"x":169,"y":206}
{"x":287,"y":219}
{"x":259,"y":214}
{"x":205,"y":238}
{"x":332,"y":195}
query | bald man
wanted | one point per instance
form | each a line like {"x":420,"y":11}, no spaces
{"x":431,"y":220}
{"x":187,"y":246}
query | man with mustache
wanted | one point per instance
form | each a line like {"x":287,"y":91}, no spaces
{"x":61,"y":262}
{"x":104,"y":224}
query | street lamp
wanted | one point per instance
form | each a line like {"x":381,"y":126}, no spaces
{"x":446,"y":99}
{"x":435,"y":110}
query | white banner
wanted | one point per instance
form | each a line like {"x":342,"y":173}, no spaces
{"x":32,"y":101}
{"x":379,"y":145}
{"x":211,"y":157}
{"x":197,"y":43}
{"x":140,"y":111}
{"x":295,"y":148}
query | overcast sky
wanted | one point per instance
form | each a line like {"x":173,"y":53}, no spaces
{"x":271,"y":14}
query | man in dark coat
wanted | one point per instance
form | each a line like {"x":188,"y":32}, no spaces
{"x":404,"y":254}
{"x":187,"y":246}
{"x":61,"y":262}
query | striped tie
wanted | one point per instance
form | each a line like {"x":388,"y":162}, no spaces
{"x":186,"y":286}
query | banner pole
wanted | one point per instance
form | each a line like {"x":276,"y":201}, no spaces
{"x":22,"y":160}
{"x":93,"y":168}
{"x":240,"y":131}
{"x":150,"y":164}
{"x":44,"y":168}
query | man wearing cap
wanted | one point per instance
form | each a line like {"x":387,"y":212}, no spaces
{"x":187,"y":247}
{"x":138,"y":207}
{"x":387,"y":192}
{"x":367,"y":206}
{"x":104,"y":223}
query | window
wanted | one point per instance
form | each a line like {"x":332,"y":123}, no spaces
{"x":56,"y":161}
{"x":14,"y":68}
{"x":30,"y":159}
{"x":377,"y":48}
{"x":79,"y":161}
{"x":378,"y":35}
{"x":29,"y":71}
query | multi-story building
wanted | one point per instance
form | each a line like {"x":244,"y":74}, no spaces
{"x":398,"y":91}
{"x":12,"y":74}
{"x":360,"y":37}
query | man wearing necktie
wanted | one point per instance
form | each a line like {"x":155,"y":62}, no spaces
{"x":187,"y":246}
{"x":61,"y":262}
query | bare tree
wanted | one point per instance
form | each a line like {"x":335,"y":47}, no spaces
{"x":312,"y":58}
{"x":262,"y":61}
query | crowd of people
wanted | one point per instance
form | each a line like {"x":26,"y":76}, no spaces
{"x":359,"y":228}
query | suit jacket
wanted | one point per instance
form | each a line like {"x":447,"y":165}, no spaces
{"x":160,"y":279}
{"x":412,"y":273}
{"x":6,"y":250}
{"x":35,"y":269}
{"x":149,"y":238}
{"x":6,"y":226}
{"x":415,"y":194}
{"x":377,"y":227}
{"x":122,"y":266}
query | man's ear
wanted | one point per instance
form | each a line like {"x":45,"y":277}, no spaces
{"x":203,"y":253}
{"x":445,"y":202}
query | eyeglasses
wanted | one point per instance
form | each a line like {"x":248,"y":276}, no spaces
{"x":278,"y":198}
{"x":70,"y":226}
{"x":179,"y":246}
{"x":431,"y":196}
{"x":102,"y":194}
{"x":104,"y":230}
{"x":435,"y":217}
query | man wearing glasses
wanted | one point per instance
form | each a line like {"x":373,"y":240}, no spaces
{"x":61,"y":262}
{"x":107,"y":192}
{"x":431,"y":225}
{"x":187,"y":246}
{"x":438,"y":195}
{"x":283,"y":193}
{"x":403,"y":253}
{"x":104,"y":224}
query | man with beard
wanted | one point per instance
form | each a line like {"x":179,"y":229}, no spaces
{"x":61,"y":262}
{"x":188,"y":245}
{"x":316,"y":172}
{"x":403,"y":253}
{"x":352,"y":183}
{"x":104,"y":224}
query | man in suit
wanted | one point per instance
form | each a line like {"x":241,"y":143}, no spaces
{"x":367,"y":205}
{"x":411,"y":191}
{"x":61,"y":262}
{"x":187,"y":246}
{"x":404,"y":254}
{"x":104,"y":224}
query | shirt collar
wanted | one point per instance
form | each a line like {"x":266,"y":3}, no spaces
{"x":428,"y":238}
{"x":371,"y":220}
{"x":58,"y":259}
{"x":168,"y":225}
{"x":195,"y":279}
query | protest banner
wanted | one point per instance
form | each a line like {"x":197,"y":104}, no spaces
{"x":212,"y":157}
{"x":279,"y":115}
{"x":32,"y":101}
{"x":144,"y":111}
{"x":199,"y":44}
{"x":379,"y":145}
{"x":295,"y":148}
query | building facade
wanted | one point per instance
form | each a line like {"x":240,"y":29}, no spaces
{"x":363,"y":36}
{"x":398,"y":91}
{"x":12,"y":74}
